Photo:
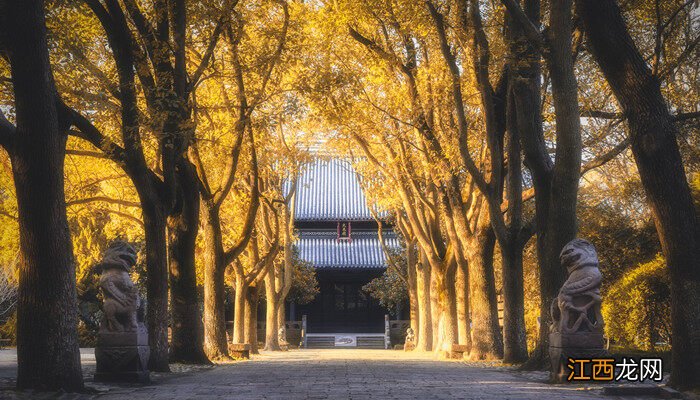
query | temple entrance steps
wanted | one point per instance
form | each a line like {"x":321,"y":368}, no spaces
{"x":346,"y":341}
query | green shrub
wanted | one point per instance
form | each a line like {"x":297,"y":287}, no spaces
{"x":637,"y":308}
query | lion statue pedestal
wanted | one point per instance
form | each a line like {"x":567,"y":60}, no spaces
{"x":577,"y":324}
{"x":122,"y":350}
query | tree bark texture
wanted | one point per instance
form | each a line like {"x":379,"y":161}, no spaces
{"x":653,"y":141}
{"x":239,"y":316}
{"x":271,"y":318}
{"x":48,"y":356}
{"x":157,"y":316}
{"x":251,"y":318}
{"x":183,"y":225}
{"x":487,"y":342}
{"x":425,"y":327}
{"x":463,"y":317}
{"x":215,"y":344}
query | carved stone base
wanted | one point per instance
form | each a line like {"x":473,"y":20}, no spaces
{"x":409,"y":346}
{"x":122,"y":356}
{"x":563,"y":346}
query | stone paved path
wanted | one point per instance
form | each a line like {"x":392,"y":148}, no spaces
{"x":342,"y":374}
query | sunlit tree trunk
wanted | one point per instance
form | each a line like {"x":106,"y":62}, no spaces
{"x":282,"y":319}
{"x":486,"y":335}
{"x":411,"y":272}
{"x":239,"y":310}
{"x":449,"y":307}
{"x":463,"y":320}
{"x":271,"y":317}
{"x":215,"y":344}
{"x":425,"y":324}
{"x":437,"y":317}
{"x":251,"y":318}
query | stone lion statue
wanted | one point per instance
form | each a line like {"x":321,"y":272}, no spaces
{"x":122,"y":305}
{"x":577,"y":307}
{"x":410,"y":335}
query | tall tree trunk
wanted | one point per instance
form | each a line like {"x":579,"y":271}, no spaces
{"x":555,"y":183}
{"x":653,"y":140}
{"x":239,"y":305}
{"x":183,"y":224}
{"x":448,"y":305}
{"x":561,"y":225}
{"x":425,"y":323}
{"x":215,"y":345}
{"x":156,"y":284}
{"x":48,"y":357}
{"x":514,"y":339}
{"x":411,"y":274}
{"x":512,"y":246}
{"x":437,"y":317}
{"x":251,"y":318}
{"x":487,"y":342}
{"x":271,"y":320}
{"x":463,"y":317}
{"x":281,"y":320}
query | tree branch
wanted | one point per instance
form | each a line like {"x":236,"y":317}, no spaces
{"x":89,"y":132}
{"x":687,"y":52}
{"x":124,"y":215}
{"x":249,"y":225}
{"x":605,"y":157}
{"x":7,"y":132}
{"x":533,"y":34}
{"x":679,"y":117}
{"x":378,"y":50}
{"x":83,"y":153}
{"x":8,"y":215}
{"x":274,"y":59}
{"x":209,"y":52}
{"x":104,"y":199}
{"x":143,"y":26}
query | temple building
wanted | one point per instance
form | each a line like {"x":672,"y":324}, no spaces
{"x":338,"y":236}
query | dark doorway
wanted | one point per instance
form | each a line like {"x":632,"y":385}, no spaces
{"x":342,"y":306}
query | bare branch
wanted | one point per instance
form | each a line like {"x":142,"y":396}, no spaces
{"x":124,"y":215}
{"x":104,"y":199}
{"x":605,"y":157}
{"x":687,"y":52}
{"x":84,"y":153}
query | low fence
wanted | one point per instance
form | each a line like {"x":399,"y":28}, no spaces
{"x":395,"y":332}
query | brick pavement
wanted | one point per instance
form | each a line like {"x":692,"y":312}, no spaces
{"x":340,"y":374}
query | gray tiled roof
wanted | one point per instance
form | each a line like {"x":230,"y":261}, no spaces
{"x":329,"y":190}
{"x":323,"y":250}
